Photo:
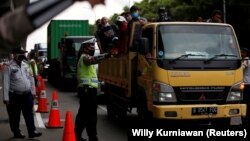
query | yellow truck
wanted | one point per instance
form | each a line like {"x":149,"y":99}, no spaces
{"x":177,"y":71}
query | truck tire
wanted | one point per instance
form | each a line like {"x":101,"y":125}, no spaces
{"x":114,"y":108}
{"x":63,"y":86}
{"x":221,"y":122}
{"x":244,"y":121}
{"x":54,"y":73}
{"x":111,"y":112}
{"x":143,"y":114}
{"x":110,"y":109}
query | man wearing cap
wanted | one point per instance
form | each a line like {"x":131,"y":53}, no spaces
{"x":107,"y":35}
{"x":18,"y":92}
{"x":87,"y":91}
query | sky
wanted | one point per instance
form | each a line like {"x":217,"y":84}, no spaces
{"x":80,"y":11}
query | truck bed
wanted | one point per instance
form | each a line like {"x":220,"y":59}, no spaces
{"x":114,"y":71}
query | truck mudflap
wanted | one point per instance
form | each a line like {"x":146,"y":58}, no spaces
{"x":202,"y":111}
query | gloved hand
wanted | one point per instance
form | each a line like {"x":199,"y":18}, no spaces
{"x":107,"y":55}
{"x":93,"y":2}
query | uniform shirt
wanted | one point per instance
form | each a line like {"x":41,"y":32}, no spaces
{"x":86,"y":72}
{"x":16,"y":78}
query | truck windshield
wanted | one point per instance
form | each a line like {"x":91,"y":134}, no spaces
{"x":202,"y":41}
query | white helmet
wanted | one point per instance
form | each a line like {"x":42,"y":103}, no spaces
{"x":90,"y":41}
{"x":121,"y":19}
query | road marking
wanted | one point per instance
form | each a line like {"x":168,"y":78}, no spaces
{"x":39,"y":118}
{"x":103,"y":108}
{"x":1,"y":87}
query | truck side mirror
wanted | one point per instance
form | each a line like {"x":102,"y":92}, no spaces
{"x":144,"y":45}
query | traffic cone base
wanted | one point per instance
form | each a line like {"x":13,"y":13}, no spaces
{"x":54,"y":120}
{"x":54,"y":117}
{"x":69,"y":133}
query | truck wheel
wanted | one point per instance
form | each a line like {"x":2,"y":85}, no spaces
{"x":110,"y":108}
{"x":62,"y":85}
{"x":244,"y":121}
{"x":144,"y":115}
{"x":111,"y":111}
{"x":221,"y":121}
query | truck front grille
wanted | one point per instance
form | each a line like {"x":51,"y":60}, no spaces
{"x":208,"y":94}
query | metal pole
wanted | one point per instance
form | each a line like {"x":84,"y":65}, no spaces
{"x":224,"y":11}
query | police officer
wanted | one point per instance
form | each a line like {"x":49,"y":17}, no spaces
{"x":33,"y":66}
{"x":19,"y":91}
{"x":87,"y":91}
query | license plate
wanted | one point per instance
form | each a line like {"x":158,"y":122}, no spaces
{"x":204,"y":110}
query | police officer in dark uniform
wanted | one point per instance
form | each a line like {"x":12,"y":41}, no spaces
{"x":19,"y":92}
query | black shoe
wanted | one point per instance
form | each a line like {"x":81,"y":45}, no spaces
{"x":19,"y":135}
{"x":81,"y":139}
{"x":35,"y":134}
{"x":93,"y":139}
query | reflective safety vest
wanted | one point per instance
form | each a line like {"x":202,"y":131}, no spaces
{"x":86,"y":74}
{"x":30,"y":66}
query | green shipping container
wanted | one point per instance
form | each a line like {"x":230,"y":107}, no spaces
{"x":60,"y":28}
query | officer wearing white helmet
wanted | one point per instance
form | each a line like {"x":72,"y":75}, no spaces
{"x":87,"y":91}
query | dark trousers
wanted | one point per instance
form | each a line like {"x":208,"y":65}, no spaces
{"x":87,"y":113}
{"x":17,"y":104}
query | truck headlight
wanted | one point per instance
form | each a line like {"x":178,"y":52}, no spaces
{"x":235,"y":93}
{"x":163,"y":93}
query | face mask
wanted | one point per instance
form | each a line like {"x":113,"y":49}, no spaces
{"x":135,"y":14}
{"x":21,"y":57}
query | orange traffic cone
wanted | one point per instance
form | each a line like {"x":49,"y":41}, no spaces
{"x":38,"y":86}
{"x":42,"y":101}
{"x":54,"y":117}
{"x":69,"y":133}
